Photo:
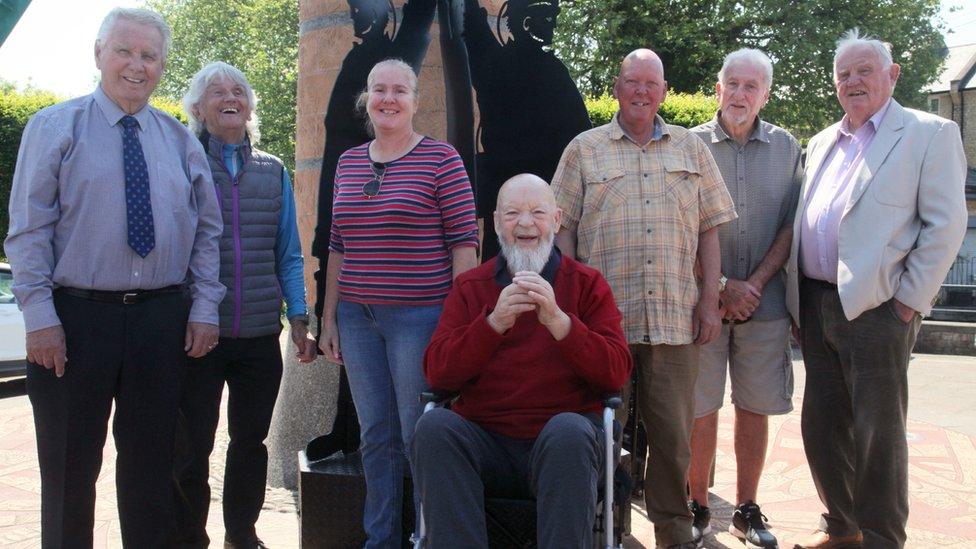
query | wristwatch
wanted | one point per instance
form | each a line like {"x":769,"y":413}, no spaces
{"x":722,"y":281}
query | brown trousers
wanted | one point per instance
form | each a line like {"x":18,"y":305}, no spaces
{"x":666,"y":376}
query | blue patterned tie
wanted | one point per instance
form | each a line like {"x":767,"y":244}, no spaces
{"x":139,"y":217}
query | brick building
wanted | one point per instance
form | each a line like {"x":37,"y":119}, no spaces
{"x":953,"y":96}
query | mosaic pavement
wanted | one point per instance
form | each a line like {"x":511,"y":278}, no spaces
{"x":942,"y":477}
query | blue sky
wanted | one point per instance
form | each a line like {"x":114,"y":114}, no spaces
{"x":961,"y":22}
{"x":52,"y":45}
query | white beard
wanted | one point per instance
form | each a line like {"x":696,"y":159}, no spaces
{"x":520,"y":259}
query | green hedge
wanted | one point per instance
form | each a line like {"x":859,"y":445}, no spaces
{"x":15,"y":110}
{"x":682,"y":109}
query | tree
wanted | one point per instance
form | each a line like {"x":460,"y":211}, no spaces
{"x":693,"y":36}
{"x":259,"y":37}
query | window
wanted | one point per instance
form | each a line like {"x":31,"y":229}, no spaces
{"x":934,"y":105}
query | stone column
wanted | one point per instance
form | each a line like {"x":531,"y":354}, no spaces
{"x":306,"y":401}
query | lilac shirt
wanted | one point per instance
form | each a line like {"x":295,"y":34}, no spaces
{"x":67,"y":209}
{"x":829,"y":194}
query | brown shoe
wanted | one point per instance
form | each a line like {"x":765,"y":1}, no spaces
{"x":823,"y":540}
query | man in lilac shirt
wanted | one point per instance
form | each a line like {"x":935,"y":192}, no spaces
{"x":880,"y":219}
{"x":830,"y":193}
{"x":113,"y":240}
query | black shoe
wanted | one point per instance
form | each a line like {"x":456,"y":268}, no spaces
{"x":749,"y":525}
{"x":702,"y":517}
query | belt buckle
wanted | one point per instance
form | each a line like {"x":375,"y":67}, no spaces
{"x":129,"y":298}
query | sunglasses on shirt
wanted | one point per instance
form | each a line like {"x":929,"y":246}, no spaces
{"x":372,"y":187}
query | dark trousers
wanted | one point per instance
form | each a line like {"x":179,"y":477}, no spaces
{"x":251,"y":367}
{"x":457,"y":463}
{"x":854,"y":412}
{"x":132,"y":355}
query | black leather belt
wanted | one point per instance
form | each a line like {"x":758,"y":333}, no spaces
{"x":127,"y":297}
{"x":735,"y":322}
{"x":822,"y":283}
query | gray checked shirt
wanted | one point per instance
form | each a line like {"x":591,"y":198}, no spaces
{"x":763,"y":177}
{"x":68,"y":216}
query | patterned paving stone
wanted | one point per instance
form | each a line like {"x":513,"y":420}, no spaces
{"x":942,"y":481}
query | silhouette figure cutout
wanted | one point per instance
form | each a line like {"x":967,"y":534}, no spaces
{"x":459,"y":102}
{"x":530,"y":107}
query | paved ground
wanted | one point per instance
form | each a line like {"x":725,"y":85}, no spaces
{"x":942,"y":473}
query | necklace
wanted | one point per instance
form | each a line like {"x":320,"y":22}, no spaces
{"x":375,"y":154}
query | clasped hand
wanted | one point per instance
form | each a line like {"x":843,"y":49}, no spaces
{"x":304,"y":341}
{"x":739,"y":300}
{"x":529,"y":292}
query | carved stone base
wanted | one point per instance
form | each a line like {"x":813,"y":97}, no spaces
{"x":305,"y":409}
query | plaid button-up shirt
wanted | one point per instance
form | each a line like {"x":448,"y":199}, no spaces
{"x":637,"y":212}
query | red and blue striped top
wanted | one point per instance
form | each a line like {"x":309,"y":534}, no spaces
{"x":397,"y":245}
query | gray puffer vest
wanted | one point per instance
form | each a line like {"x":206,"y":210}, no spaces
{"x":251,"y":207}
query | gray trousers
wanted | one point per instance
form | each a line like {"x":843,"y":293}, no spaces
{"x":854,"y":412}
{"x":457,"y":463}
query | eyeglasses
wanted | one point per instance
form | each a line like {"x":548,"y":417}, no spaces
{"x":372,"y":187}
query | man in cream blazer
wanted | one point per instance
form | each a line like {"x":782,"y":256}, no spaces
{"x":881,"y":216}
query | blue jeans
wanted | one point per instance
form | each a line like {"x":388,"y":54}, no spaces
{"x":383,"y":350}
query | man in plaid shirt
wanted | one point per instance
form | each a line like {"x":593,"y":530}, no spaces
{"x":642,"y":201}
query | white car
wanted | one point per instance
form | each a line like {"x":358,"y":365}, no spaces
{"x":13,"y":354}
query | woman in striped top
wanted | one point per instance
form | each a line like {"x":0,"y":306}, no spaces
{"x":403,"y":226}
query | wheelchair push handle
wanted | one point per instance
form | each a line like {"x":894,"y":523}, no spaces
{"x":613,"y":400}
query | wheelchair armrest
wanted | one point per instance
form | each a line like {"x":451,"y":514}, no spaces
{"x":613,"y":401}
{"x":437,"y":396}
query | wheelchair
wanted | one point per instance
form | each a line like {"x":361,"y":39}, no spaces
{"x":511,"y":523}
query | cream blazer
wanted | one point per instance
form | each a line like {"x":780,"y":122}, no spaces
{"x":905,"y":220}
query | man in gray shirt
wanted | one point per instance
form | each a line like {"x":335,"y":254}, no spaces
{"x":761,"y":167}
{"x":114,"y":229}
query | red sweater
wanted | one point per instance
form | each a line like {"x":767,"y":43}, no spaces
{"x":513,"y":383}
